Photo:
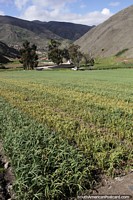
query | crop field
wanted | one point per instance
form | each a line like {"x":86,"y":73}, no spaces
{"x":61,"y":129}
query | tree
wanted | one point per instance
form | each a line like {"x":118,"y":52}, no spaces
{"x":65,"y":54}
{"x":88,"y":60}
{"x":29,"y":57}
{"x":75,"y":55}
{"x":54,"y":52}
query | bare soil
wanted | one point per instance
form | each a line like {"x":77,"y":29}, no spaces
{"x":6,"y":177}
{"x":120,"y":186}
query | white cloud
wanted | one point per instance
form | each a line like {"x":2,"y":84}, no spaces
{"x":117,"y":3}
{"x":1,"y":12}
{"x":93,"y":18}
{"x":56,"y":13}
{"x":44,"y":8}
{"x":52,"y":3}
{"x":57,"y":10}
{"x":20,"y":3}
{"x":106,"y":11}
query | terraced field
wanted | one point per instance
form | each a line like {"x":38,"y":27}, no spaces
{"x":88,"y":114}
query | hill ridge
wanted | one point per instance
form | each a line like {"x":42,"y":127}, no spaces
{"x":43,"y":31}
{"x":110,"y":37}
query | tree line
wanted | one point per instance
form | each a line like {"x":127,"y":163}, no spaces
{"x":56,"y":54}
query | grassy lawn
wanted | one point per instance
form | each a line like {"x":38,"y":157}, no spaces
{"x":114,"y":62}
{"x":87,"y":113}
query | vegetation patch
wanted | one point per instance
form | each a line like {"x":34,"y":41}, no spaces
{"x":121,"y":52}
{"x":89,"y":115}
{"x":112,"y":63}
{"x":45,"y":165}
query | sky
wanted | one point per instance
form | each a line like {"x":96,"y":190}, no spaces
{"x":89,"y":12}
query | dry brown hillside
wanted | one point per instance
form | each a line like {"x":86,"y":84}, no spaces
{"x":111,"y":37}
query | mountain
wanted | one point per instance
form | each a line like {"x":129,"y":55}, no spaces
{"x":7,"y":52}
{"x":113,"y":37}
{"x":67,"y":30}
{"x":13,"y":31}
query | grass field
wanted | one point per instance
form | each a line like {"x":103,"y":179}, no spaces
{"x":61,"y":127}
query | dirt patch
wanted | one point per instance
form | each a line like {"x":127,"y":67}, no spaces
{"x":6,"y":177}
{"x":118,"y":186}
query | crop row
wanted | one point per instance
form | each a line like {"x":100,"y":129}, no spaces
{"x":45,"y":166}
{"x":98,"y":124}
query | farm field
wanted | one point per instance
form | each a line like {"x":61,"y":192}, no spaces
{"x":62,"y":128}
